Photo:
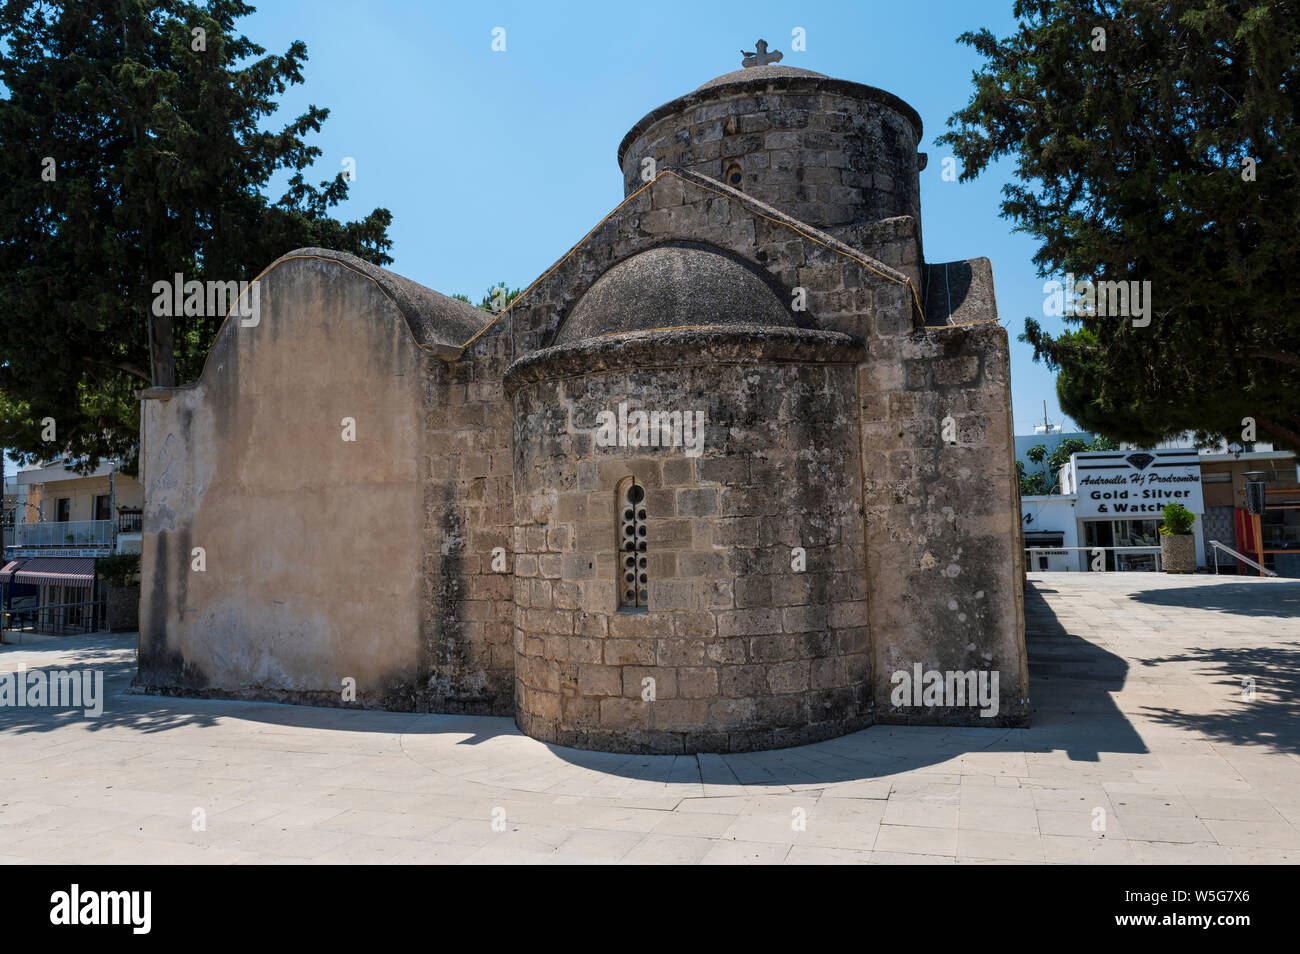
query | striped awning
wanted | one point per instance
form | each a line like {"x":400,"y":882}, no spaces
{"x":61,"y":571}
{"x":6,"y":575}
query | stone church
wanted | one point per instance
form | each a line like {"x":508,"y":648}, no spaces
{"x":727,"y":474}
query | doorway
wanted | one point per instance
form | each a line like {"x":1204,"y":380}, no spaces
{"x":1100,"y":533}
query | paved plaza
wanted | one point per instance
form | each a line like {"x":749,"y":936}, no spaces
{"x":1144,"y":748}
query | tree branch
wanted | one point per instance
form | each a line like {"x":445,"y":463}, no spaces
{"x":1277,"y":430}
{"x":1285,"y":357}
{"x":126,"y":366}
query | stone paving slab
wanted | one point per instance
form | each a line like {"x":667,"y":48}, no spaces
{"x":1143,"y":749}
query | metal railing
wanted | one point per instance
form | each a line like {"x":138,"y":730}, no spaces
{"x":55,"y":619}
{"x":129,"y":521}
{"x":1237,"y":556}
{"x":1094,"y":551}
{"x":66,"y":533}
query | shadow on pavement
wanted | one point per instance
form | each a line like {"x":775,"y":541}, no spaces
{"x":1071,"y":681}
{"x":1271,"y":717}
{"x":1070,"y":684}
{"x":1259,"y":598}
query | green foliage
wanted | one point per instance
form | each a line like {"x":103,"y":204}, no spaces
{"x":120,"y":569}
{"x":1178,"y":520}
{"x":161,"y":157}
{"x":1058,"y":458}
{"x":1129,"y":166}
{"x":496,"y":299}
{"x":1062,"y":452}
{"x":1032,"y":484}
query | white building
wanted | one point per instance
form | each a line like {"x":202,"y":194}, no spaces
{"x":63,"y":522}
{"x":1049,"y":523}
{"x":1119,"y":497}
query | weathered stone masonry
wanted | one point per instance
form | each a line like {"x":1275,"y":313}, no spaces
{"x":466,"y":554}
{"x":743,"y":652}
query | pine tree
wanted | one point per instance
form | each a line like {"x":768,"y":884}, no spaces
{"x":133,"y":148}
{"x":1156,"y":141}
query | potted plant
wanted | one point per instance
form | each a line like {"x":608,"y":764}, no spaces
{"x":120,"y":575}
{"x":1177,"y":546}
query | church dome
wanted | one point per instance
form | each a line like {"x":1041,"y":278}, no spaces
{"x":674,"y":287}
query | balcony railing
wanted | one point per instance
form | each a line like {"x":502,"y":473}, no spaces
{"x":67,"y":533}
{"x":59,"y":619}
{"x":128,"y":521}
{"x":1125,"y":558}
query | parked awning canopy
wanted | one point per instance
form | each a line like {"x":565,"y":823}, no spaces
{"x":6,"y":575}
{"x":61,"y":571}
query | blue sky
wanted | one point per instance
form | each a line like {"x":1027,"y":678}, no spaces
{"x":495,"y":163}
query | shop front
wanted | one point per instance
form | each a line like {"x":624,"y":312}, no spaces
{"x":1273,"y":537}
{"x":1119,"y":497}
{"x":1050,"y":529}
{"x":54,"y":595}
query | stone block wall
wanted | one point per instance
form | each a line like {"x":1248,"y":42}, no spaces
{"x":467,"y":612}
{"x":330,"y":559}
{"x":895,"y":242}
{"x":942,"y":516}
{"x":826,"y":152}
{"x":846,"y":290}
{"x":745,"y":651}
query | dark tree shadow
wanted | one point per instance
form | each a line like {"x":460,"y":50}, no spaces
{"x":114,"y":656}
{"x":126,"y":707}
{"x":1257,"y":598}
{"x":1271,"y":717}
{"x":1070,"y":685}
